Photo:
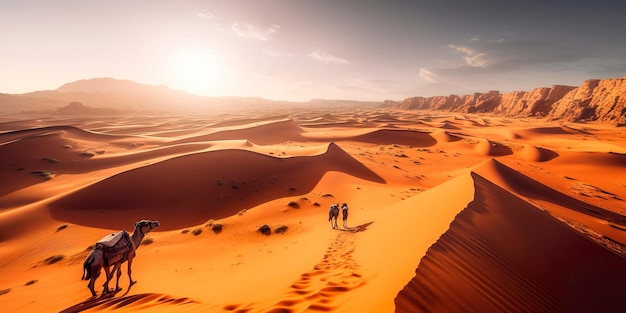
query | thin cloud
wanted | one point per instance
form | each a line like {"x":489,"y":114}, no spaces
{"x":503,"y":65}
{"x":471,"y":56}
{"x":429,"y":75}
{"x":206,"y":15}
{"x":325,"y":57}
{"x":276,"y":53}
{"x":252,"y":31}
{"x":498,"y":56}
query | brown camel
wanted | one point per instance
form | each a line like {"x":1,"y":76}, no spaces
{"x":114,"y":250}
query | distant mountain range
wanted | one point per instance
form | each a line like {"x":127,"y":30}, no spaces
{"x":114,"y":96}
{"x":595,"y":100}
{"x":602,"y":100}
{"x":122,"y":96}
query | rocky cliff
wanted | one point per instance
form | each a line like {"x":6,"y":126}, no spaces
{"x":601,"y":100}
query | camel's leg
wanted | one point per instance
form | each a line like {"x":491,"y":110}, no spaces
{"x":116,"y":268}
{"x":119,"y":273}
{"x":130,"y":264}
{"x":95,"y":268}
{"x":109,"y":275}
{"x":92,"y":280}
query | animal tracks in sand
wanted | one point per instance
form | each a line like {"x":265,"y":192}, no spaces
{"x":131,"y":302}
{"x":318,"y":290}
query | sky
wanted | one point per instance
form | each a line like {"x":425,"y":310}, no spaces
{"x":318,"y":49}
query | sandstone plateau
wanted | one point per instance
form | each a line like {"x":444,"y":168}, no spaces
{"x":601,"y":100}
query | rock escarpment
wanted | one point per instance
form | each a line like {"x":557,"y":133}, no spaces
{"x":601,"y":100}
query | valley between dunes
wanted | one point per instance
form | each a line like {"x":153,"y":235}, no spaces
{"x":449,"y":212}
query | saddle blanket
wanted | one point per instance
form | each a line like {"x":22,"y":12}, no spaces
{"x":115,"y":247}
{"x":112,"y":239}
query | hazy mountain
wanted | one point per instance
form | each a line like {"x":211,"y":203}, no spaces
{"x":124,"y":95}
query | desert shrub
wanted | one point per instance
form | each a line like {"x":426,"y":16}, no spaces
{"x":233,"y":184}
{"x":184,"y":231}
{"x":5,"y":291}
{"x":209,"y":223}
{"x":53,"y":259}
{"x":147,"y":241}
{"x":217,"y":228}
{"x":30,"y":282}
{"x":293,"y":204}
{"x":62,"y":227}
{"x":265,"y":230}
{"x":281,"y":229}
{"x":43,"y":174}
{"x":327,"y":195}
{"x":197,"y":231}
{"x":316,"y":203}
{"x":87,"y":154}
{"x":51,"y":160}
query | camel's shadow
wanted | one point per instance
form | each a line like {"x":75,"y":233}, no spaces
{"x":357,"y":229}
{"x":96,"y":301}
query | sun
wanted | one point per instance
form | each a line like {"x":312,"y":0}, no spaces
{"x":197,"y":71}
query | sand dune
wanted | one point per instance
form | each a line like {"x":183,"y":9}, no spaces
{"x":502,"y":254}
{"x":264,"y":134}
{"x":448,"y":212}
{"x":202,"y":186}
{"x":491,"y":148}
{"x":536,"y":154}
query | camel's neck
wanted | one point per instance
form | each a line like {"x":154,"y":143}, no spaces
{"x":137,"y":237}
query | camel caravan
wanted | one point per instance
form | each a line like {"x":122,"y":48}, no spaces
{"x":114,"y":250}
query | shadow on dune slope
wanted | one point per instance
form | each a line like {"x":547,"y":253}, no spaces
{"x":501,"y":254}
{"x":191,"y":189}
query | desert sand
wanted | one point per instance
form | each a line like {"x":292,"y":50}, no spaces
{"x":448,"y":212}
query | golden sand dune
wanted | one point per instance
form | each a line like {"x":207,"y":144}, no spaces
{"x":259,"y":133}
{"x":448,"y":212}
{"x":202,"y":186}
{"x":501,"y":246}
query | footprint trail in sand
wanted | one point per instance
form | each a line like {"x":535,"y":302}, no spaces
{"x":319,"y":289}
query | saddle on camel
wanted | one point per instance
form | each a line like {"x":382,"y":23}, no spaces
{"x":115,"y":247}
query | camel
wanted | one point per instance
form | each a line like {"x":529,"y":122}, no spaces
{"x":114,"y":250}
{"x":333,"y":214}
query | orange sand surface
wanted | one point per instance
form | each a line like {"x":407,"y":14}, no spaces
{"x":448,"y":212}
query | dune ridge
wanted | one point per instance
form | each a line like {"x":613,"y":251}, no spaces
{"x":206,"y":185}
{"x":524,"y":269}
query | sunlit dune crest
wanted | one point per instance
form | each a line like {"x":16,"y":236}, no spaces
{"x":493,"y":251}
{"x":449,"y":211}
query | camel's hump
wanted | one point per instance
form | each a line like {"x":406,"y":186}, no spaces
{"x":112,"y":239}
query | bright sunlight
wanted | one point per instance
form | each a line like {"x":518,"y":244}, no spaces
{"x":197,"y":71}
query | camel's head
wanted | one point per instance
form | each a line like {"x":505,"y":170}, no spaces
{"x":145,"y":226}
